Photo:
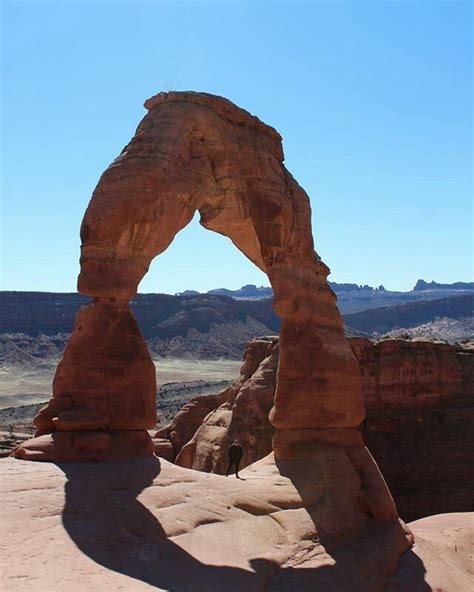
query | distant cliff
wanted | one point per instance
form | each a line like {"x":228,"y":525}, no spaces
{"x":422,"y":285}
{"x":384,"y":319}
{"x":202,"y":325}
{"x":250,"y":291}
{"x":354,"y":297}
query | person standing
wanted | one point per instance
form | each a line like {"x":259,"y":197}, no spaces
{"x":235,"y":456}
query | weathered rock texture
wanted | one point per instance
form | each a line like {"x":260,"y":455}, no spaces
{"x":197,"y":152}
{"x":146,"y":524}
{"x":411,"y":374}
{"x":239,"y":412}
{"x":103,"y":392}
{"x":420,"y":419}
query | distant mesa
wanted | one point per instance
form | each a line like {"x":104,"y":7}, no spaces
{"x":422,"y":285}
{"x":252,"y":292}
{"x":188,"y":293}
{"x":35,"y":325}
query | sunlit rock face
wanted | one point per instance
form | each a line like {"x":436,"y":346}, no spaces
{"x":240,"y":412}
{"x":197,"y":152}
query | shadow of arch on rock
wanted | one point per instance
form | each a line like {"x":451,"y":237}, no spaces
{"x":107,"y":523}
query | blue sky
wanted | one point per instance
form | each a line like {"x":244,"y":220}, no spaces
{"x":373,"y":99}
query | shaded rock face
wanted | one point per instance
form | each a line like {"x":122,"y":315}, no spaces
{"x":197,"y":152}
{"x":410,"y":374}
{"x":420,"y":421}
{"x":106,"y":370}
{"x":420,"y":417}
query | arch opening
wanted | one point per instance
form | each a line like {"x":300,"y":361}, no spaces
{"x":196,"y":340}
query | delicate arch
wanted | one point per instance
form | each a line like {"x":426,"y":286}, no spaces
{"x":197,"y":152}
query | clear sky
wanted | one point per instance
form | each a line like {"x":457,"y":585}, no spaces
{"x":373,"y":100}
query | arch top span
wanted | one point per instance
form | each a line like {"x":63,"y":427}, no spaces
{"x":192,"y":151}
{"x":222,"y":106}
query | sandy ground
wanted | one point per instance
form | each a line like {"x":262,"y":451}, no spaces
{"x":25,"y":386}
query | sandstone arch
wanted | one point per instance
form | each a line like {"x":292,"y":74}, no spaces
{"x":196,"y":152}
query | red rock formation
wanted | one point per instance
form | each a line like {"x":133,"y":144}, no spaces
{"x":195,"y":152}
{"x":187,"y":421}
{"x":398,"y":373}
{"x":103,"y":392}
{"x":419,"y":422}
{"x":239,"y":412}
{"x":198,"y":152}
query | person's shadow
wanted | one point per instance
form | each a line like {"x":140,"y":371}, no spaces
{"x":107,"y":522}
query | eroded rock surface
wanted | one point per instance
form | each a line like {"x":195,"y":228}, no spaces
{"x":420,"y":417}
{"x":408,"y":374}
{"x":147,"y":524}
{"x":205,"y":426}
{"x":420,"y":421}
{"x":197,"y":152}
{"x":103,"y":392}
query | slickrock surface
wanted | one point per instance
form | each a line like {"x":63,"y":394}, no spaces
{"x":444,"y":551}
{"x":420,"y":420}
{"x":149,"y":525}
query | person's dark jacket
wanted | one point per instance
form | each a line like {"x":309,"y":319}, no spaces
{"x":235,"y":452}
